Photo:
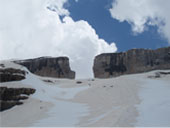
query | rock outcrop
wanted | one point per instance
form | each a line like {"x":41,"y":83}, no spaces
{"x":133,"y":61}
{"x":4,"y":105}
{"x":11,"y":74}
{"x":159,"y":74}
{"x":9,"y":97}
{"x":50,"y":67}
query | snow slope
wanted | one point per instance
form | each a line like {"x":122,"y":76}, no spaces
{"x":154,"y":109}
{"x":129,"y":100}
{"x":62,"y":112}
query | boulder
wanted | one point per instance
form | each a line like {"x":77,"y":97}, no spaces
{"x":133,"y":61}
{"x":49,"y":67}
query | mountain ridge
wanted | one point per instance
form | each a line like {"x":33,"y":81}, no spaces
{"x":133,"y":61}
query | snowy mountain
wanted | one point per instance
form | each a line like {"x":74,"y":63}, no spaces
{"x":128,"y":100}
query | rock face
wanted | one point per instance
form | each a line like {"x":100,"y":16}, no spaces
{"x":11,"y":74}
{"x":10,"y":97}
{"x":50,"y":67}
{"x":132,"y":61}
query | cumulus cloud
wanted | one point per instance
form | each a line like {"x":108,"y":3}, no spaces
{"x":143,"y":13}
{"x":58,"y":6}
{"x":33,"y":28}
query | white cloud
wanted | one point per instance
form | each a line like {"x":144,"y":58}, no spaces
{"x":58,"y":6}
{"x":28,"y":29}
{"x":141,"y":13}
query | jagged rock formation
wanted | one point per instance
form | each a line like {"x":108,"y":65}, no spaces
{"x":9,"y":97}
{"x":11,"y":74}
{"x":133,"y":61}
{"x":50,"y":67}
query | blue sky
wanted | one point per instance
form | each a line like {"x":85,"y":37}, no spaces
{"x":96,"y":13}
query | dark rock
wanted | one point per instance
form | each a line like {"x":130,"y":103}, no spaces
{"x":4,"y":105}
{"x":14,"y":93}
{"x":92,"y":80}
{"x":48,"y":81}
{"x":50,"y":67}
{"x":11,"y":74}
{"x":20,"y":97}
{"x":164,"y":73}
{"x":2,"y":65}
{"x":78,"y":82}
{"x":10,"y":97}
{"x":133,"y":61}
{"x":159,"y":74}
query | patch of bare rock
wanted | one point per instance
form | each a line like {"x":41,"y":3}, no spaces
{"x":9,"y":97}
{"x":159,"y":74}
{"x":11,"y":74}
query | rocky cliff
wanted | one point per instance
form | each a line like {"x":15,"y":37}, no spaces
{"x":50,"y":67}
{"x":133,"y":61}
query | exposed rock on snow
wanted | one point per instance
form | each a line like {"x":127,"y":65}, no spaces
{"x":159,"y":74}
{"x":11,"y":74}
{"x":129,"y":100}
{"x":10,"y":97}
{"x":132,"y":61}
{"x":8,"y":104}
{"x":78,"y":82}
{"x":50,"y":67}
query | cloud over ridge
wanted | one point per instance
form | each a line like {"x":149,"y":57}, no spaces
{"x":29,"y":29}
